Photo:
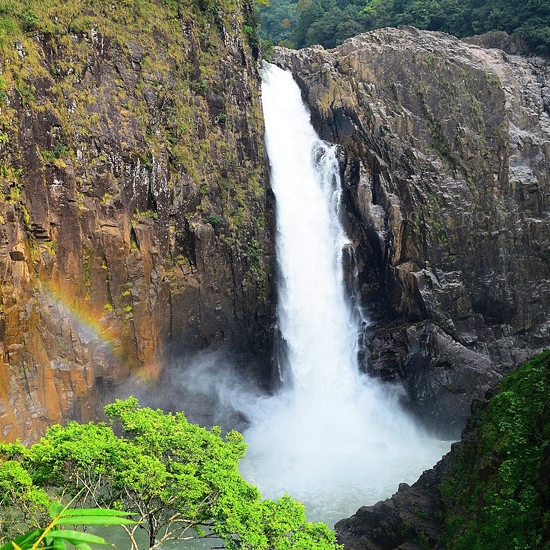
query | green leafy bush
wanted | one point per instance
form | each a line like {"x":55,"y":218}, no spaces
{"x":498,"y":494}
{"x":181,"y":480}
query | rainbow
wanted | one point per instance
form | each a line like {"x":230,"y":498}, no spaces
{"x":99,"y":328}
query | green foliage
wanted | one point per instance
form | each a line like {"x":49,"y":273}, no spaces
{"x":26,"y":94}
{"x":54,"y":538}
{"x":214,"y":219}
{"x":50,"y":157}
{"x":3,"y":87}
{"x":329,"y":22}
{"x":148,"y":214}
{"x":278,"y":21}
{"x":18,"y":15}
{"x":21,"y":501}
{"x":182,"y":481}
{"x":499,"y":489}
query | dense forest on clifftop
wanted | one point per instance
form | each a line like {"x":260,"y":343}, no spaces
{"x":329,"y":22}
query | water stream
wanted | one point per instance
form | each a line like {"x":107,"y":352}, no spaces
{"x":332,"y":437}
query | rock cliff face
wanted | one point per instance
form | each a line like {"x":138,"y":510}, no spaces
{"x":134,"y":204}
{"x":445,"y":153}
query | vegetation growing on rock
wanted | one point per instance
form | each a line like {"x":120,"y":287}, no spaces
{"x":126,"y":128}
{"x":497,"y":494}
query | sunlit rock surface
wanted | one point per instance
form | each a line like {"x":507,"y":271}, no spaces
{"x":134,"y":207}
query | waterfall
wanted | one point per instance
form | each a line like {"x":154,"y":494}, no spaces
{"x":332,"y":437}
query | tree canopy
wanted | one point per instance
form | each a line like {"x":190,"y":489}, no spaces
{"x":180,"y":480}
{"x":330,"y":22}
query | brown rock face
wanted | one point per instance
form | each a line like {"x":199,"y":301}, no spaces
{"x":445,"y":153}
{"x":134,"y":205}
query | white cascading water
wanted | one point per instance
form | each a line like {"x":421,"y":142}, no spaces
{"x":332,"y":437}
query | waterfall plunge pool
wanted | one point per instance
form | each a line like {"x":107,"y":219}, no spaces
{"x":332,"y":437}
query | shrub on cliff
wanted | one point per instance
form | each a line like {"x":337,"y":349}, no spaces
{"x":497,"y":495}
{"x":180,"y":480}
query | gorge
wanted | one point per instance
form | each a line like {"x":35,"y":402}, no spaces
{"x":331,"y":436}
{"x":138,"y":222}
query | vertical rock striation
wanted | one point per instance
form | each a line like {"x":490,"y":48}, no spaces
{"x":445,"y":152}
{"x":134,"y":203}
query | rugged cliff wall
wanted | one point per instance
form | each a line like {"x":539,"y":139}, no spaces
{"x":445,"y":151}
{"x":134,"y":204}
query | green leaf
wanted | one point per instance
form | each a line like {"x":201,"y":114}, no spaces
{"x":56,"y":509}
{"x":77,"y":537}
{"x":23,"y":541}
{"x":93,"y":512}
{"x":94,"y":516}
{"x":94,"y":520}
{"x":169,"y":468}
{"x":55,"y":544}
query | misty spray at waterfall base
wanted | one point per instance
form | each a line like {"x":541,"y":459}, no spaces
{"x":332,"y":437}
